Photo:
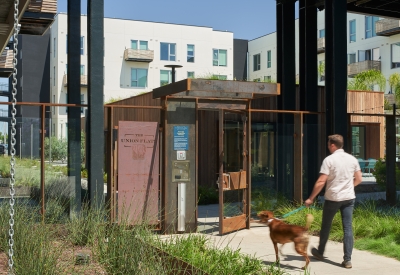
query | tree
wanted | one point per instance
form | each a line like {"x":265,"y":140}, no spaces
{"x":365,"y":81}
{"x":58,"y":148}
{"x":394,"y":82}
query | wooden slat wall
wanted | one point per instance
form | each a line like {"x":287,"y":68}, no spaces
{"x":6,"y":59}
{"x":124,"y":114}
{"x":368,"y":102}
{"x":45,"y":6}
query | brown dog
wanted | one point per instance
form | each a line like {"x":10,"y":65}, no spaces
{"x":282,"y":233}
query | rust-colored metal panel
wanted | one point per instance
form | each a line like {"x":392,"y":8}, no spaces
{"x":233,"y":224}
{"x":138,"y":172}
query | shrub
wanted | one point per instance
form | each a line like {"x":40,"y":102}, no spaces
{"x":208,"y":195}
{"x":380,"y":173}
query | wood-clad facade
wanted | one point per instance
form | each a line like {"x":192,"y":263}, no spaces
{"x":358,"y":102}
{"x":367,"y":102}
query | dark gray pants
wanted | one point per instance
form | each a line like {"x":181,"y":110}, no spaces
{"x":346,"y":210}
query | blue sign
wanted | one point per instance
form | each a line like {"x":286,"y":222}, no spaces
{"x":181,"y":138}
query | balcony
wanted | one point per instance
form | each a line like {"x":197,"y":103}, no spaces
{"x":6,"y":64}
{"x":83,"y":80}
{"x":321,"y":45}
{"x":138,"y":55}
{"x":387,"y":27}
{"x":358,"y":67}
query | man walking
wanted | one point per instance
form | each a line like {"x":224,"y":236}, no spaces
{"x":340,"y":172}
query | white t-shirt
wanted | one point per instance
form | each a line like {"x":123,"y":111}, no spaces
{"x":340,"y":168}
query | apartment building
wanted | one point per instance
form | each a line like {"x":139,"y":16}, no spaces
{"x":135,"y":55}
{"x":372,"y":43}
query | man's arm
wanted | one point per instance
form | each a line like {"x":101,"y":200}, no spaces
{"x":320,"y":183}
{"x":357,"y":177}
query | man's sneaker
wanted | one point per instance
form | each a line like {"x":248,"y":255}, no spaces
{"x":316,"y":254}
{"x":347,"y":264}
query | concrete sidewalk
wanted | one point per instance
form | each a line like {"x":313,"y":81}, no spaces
{"x":256,"y":242}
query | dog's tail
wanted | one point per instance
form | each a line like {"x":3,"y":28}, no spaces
{"x":309,"y":220}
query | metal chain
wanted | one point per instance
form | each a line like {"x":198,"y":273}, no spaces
{"x":13,"y":141}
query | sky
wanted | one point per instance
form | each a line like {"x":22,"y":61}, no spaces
{"x":246,"y":19}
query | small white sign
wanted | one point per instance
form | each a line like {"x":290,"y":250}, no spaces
{"x":181,"y":155}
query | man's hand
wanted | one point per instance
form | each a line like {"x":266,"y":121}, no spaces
{"x":308,"y":202}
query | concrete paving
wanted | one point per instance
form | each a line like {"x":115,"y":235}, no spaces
{"x":256,"y":242}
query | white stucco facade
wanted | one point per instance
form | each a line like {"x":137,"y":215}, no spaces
{"x":361,"y":47}
{"x":119,"y":74}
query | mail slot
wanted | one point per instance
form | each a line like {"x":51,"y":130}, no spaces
{"x":180,"y":170}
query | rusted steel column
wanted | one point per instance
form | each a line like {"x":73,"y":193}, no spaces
{"x":221,"y":169}
{"x":298,"y":158}
{"x":42,"y":165}
{"x":110,"y":162}
{"x":248,"y":167}
{"x":391,"y":158}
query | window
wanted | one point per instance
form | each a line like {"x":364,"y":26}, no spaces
{"x":219,"y":57}
{"x":267,"y":78}
{"x":139,"y":45}
{"x":54,"y":47}
{"x":66,"y":68}
{"x":165,"y":77}
{"x":54,"y":76}
{"x":82,"y":45}
{"x":82,"y":69}
{"x":190,"y":53}
{"x":190,"y":74}
{"x":321,"y":33}
{"x":269,"y":59}
{"x":395,"y":55}
{"x":138,"y":78}
{"x":66,"y":44}
{"x":370,"y":26}
{"x":351,"y":58}
{"x":220,"y":77}
{"x":372,"y":54}
{"x":54,"y":101}
{"x":352,"y":31}
{"x":168,"y":51}
{"x":257,"y":80}
{"x":256,"y":62}
{"x":82,"y":102}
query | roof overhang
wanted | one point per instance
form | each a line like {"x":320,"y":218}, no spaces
{"x":218,"y":89}
{"x":381,"y":8}
{"x":7,"y":19}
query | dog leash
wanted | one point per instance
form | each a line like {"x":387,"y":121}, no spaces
{"x":295,"y":211}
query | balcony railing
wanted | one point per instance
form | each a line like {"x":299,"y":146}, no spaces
{"x":358,"y":67}
{"x":321,"y":45}
{"x":45,"y":6}
{"x":387,"y":27}
{"x":83,"y":80}
{"x":138,"y":55}
{"x":6,"y":59}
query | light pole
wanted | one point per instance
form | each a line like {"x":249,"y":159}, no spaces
{"x":20,"y":140}
{"x":50,"y":133}
{"x":173,"y":71}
